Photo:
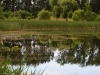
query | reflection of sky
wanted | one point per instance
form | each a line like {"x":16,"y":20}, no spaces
{"x":53,"y":68}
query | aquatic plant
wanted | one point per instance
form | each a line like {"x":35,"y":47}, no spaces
{"x":5,"y":49}
{"x":15,"y":48}
{"x":12,"y":25}
{"x":8,"y":69}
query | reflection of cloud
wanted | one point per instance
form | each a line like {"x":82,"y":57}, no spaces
{"x":58,"y":73}
{"x":97,"y":73}
{"x":52,"y":73}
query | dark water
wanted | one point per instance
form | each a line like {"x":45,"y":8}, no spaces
{"x":57,"y":55}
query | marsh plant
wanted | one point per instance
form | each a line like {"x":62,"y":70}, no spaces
{"x":13,"y":25}
{"x":6,"y":68}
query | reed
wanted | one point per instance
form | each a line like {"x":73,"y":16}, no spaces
{"x":8,"y":69}
{"x":12,"y":25}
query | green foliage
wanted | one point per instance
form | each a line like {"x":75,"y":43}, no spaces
{"x":8,"y":14}
{"x":90,"y":16}
{"x":87,"y":6}
{"x":23,"y":14}
{"x":6,"y":48}
{"x":53,"y":3}
{"x":69,"y":14}
{"x":97,"y":18}
{"x":43,"y":15}
{"x":15,"y":48}
{"x":78,"y":15}
{"x":67,"y":6}
{"x":1,"y":13}
{"x":8,"y":25}
{"x":95,"y":4}
{"x":8,"y":69}
{"x":29,"y":17}
{"x":56,"y":11}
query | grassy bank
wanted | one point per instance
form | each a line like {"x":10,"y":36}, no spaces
{"x":14,"y":25}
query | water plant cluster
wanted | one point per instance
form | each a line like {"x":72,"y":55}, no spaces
{"x":8,"y":68}
{"x":13,"y":25}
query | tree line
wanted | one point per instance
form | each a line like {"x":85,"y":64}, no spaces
{"x":57,"y":8}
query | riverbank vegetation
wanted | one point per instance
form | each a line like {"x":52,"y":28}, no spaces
{"x":7,"y":68}
{"x":77,"y":10}
{"x":15,"y":25}
{"x":66,"y":15}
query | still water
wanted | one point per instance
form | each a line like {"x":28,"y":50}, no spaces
{"x":54,"y":68}
{"x":55,"y":55}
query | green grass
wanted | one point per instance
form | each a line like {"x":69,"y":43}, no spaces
{"x":13,"y":25}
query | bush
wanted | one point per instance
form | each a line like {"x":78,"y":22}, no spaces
{"x":97,"y":18}
{"x":90,"y":16}
{"x":43,"y":15}
{"x":7,"y":14}
{"x":69,"y":14}
{"x":78,"y":15}
{"x":23,"y":14}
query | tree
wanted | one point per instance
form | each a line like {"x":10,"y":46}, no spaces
{"x":39,"y":5}
{"x":1,"y":14}
{"x":82,"y":4}
{"x":89,"y":15}
{"x":0,"y":11}
{"x":7,"y":5}
{"x":56,"y":11}
{"x":95,"y":4}
{"x":67,"y":6}
{"x":78,"y":2}
{"x":87,"y":6}
{"x":53,"y":3}
{"x":23,"y":14}
{"x":78,"y":15}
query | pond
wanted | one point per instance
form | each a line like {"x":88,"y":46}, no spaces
{"x":54,"y":54}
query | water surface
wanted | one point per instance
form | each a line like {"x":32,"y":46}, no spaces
{"x":55,"y":55}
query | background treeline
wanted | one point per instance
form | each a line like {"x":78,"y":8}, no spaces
{"x":76,"y":9}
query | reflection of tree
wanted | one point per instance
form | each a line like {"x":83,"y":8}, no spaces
{"x":85,"y":53}
{"x":26,"y":49}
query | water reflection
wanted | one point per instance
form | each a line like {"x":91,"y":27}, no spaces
{"x":86,"y":53}
{"x":84,"y":50}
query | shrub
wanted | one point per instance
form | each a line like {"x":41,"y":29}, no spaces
{"x":97,"y":18}
{"x":23,"y":14}
{"x":90,"y":16}
{"x":78,"y":15}
{"x":43,"y":15}
{"x":28,"y":17}
{"x":69,"y":14}
{"x":7,"y":14}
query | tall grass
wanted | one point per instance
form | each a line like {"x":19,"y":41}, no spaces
{"x":6,"y":68}
{"x":8,"y":25}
